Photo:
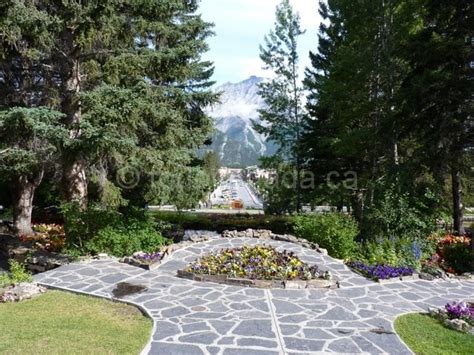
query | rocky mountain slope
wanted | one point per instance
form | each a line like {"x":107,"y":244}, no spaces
{"x":235,"y":140}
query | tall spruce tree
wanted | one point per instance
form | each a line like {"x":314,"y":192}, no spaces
{"x":438,"y":96}
{"x":129,"y":78}
{"x":282,"y":94}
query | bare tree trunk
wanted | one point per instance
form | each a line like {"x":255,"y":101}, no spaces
{"x":74,"y":170}
{"x":23,"y":194}
{"x":458,"y":217}
{"x":358,"y":204}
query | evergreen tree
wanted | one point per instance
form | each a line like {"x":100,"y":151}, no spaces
{"x":29,"y":138}
{"x":438,"y":92}
{"x":129,"y":78}
{"x":283,"y":94}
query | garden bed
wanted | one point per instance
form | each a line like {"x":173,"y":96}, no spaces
{"x":257,"y":266}
{"x":383,"y":273}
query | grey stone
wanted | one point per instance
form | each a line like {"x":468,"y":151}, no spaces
{"x":21,"y":291}
{"x":315,"y":333}
{"x":222,"y":327}
{"x":338,"y":313}
{"x":388,"y":342}
{"x":260,"y":328}
{"x":304,"y":344}
{"x":165,"y":329}
{"x":226,"y":341}
{"x":160,"y":348}
{"x":175,"y":312}
{"x":194,"y":327}
{"x":257,"y":342}
{"x":365,"y":345}
{"x":114,"y":278}
{"x":344,"y":346}
{"x":283,"y":307}
{"x":289,"y":329}
{"x":199,"y":338}
{"x":249,"y":352}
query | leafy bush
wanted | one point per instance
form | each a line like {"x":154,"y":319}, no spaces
{"x":221,"y":222}
{"x":17,"y":274}
{"x":335,"y":232}
{"x":395,"y":215}
{"x":395,"y":251}
{"x":459,"y":258}
{"x":97,"y":230}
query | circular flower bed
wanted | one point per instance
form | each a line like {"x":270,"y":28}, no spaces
{"x":250,"y":264}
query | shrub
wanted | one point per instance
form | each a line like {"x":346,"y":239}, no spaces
{"x":335,"y":232}
{"x":97,"y":230}
{"x":459,"y":258}
{"x":17,"y":274}
{"x":395,"y":251}
{"x":397,"y":215}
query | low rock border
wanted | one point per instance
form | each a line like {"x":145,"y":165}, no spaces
{"x":268,"y":234}
{"x":249,"y":233}
{"x":244,"y":282}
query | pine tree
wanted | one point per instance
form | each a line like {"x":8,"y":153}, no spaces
{"x":29,"y":139}
{"x":129,"y":78}
{"x":439,"y":91}
{"x":283,"y":94}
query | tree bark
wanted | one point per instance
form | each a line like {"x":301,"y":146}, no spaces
{"x":458,"y":217}
{"x":74,"y":167}
{"x":23,"y":194}
{"x":358,"y":204}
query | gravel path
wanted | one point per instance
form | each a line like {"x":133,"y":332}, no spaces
{"x":205,"y":318}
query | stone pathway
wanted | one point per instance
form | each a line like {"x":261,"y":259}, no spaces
{"x":204,"y":318}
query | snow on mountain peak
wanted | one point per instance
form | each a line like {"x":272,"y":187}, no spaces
{"x":239,"y":99}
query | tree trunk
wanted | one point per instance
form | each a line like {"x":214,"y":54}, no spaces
{"x":74,"y":169}
{"x":358,"y":205}
{"x":23,"y":194}
{"x":75,"y":182}
{"x":458,"y":217}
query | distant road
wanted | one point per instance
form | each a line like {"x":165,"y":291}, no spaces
{"x":239,"y":190}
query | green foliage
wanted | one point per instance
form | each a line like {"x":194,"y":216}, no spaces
{"x":395,"y":215}
{"x":211,"y":166}
{"x":278,"y":192}
{"x":97,"y":230}
{"x":16,"y":275}
{"x":282,"y":115}
{"x":335,"y":232}
{"x":459,"y":257}
{"x":222,"y":222}
{"x":395,"y":251}
{"x":29,"y":137}
{"x":135,"y":67}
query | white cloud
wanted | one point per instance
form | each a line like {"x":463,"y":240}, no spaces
{"x":240,"y":26}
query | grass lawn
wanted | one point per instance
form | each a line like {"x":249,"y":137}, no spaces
{"x":60,"y":322}
{"x":425,"y":335}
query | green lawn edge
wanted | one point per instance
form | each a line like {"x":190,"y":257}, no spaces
{"x":65,"y":322}
{"x":426,"y":335}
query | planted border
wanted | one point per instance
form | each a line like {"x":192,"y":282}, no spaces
{"x":257,"y":266}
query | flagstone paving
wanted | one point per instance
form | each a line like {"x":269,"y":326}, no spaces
{"x":205,"y":318}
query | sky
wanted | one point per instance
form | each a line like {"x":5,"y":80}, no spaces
{"x":240,"y":26}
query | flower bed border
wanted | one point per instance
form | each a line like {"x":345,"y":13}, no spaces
{"x":413,"y":277}
{"x":244,"y":282}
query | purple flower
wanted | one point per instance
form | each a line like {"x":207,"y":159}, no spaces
{"x":380,"y":272}
{"x":460,"y":310}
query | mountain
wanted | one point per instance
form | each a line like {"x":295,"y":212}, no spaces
{"x":235,"y":140}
